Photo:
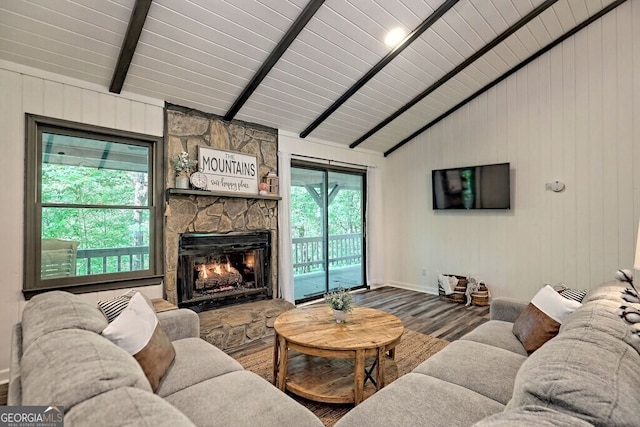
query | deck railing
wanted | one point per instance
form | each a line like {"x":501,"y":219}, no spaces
{"x":112,"y":260}
{"x":307,"y":255}
{"x":308,"y":252}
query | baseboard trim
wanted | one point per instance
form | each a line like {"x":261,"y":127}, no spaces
{"x":413,"y":287}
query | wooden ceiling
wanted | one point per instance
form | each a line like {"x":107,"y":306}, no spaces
{"x":316,"y":68}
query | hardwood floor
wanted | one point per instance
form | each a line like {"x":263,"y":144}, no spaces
{"x":424,"y":313}
{"x":420,"y":312}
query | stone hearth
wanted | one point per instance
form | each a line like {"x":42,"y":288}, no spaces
{"x":230,"y":327}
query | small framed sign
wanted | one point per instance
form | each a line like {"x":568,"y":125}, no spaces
{"x":228,"y":171}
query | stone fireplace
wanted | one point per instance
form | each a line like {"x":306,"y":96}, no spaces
{"x":217,"y":269}
{"x":193,"y":213}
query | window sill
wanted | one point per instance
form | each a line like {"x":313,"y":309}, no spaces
{"x":95,"y":287}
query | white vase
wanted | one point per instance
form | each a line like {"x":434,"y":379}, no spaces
{"x":182,"y":181}
{"x":341,"y":316}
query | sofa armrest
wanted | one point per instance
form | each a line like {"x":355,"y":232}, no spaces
{"x":179,"y":324}
{"x":14,"y":396}
{"x":506,"y":309}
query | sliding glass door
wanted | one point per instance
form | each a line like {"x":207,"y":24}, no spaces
{"x":327,"y":223}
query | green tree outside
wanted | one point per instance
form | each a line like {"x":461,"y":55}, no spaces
{"x":116,"y":225}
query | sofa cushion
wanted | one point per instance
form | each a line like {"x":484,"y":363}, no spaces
{"x":541,"y":319}
{"x":491,"y":376}
{"x":603,"y":314}
{"x":240,"y":398}
{"x":125,"y":406}
{"x":179,"y":324}
{"x":56,"y":310}
{"x":588,"y":370}
{"x":607,"y":291}
{"x":69,"y":366}
{"x":421,"y":400}
{"x":196,"y":361}
{"x":506,"y":309}
{"x":532,"y":416}
{"x":496,"y":333}
{"x":137,"y":331}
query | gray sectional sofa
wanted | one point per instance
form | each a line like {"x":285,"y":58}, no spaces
{"x":589,"y":374}
{"x":59,"y":358}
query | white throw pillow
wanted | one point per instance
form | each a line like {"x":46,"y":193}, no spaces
{"x":448,"y":283}
{"x":133,"y":328}
{"x":554,"y":305}
{"x":137,"y":331}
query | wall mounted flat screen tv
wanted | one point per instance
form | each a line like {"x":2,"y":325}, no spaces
{"x":472,"y":187}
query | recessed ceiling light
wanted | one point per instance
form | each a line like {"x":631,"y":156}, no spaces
{"x":394,"y":37}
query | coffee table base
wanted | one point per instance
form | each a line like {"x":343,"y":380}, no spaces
{"x":314,"y":332}
{"x":330,"y":380}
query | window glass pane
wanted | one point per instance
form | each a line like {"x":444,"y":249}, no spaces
{"x":307,"y":232}
{"x":92,"y":172}
{"x":86,"y":241}
{"x":345,"y":230}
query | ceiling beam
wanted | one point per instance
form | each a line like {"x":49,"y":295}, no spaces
{"x":521,"y":65}
{"x":136,"y":22}
{"x":437,"y":14}
{"x":291,"y":34}
{"x":486,"y":48}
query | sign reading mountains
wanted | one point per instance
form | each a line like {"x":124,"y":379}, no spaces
{"x":228,"y":171}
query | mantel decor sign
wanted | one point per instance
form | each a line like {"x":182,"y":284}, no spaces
{"x":228,"y":171}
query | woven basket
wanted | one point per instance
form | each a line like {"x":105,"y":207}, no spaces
{"x":481,"y":296}
{"x":458,"y":295}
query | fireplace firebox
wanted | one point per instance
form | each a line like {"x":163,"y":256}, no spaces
{"x":220,"y":269}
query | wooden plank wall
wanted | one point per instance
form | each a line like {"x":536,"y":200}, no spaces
{"x":567,"y":116}
{"x":27,"y":90}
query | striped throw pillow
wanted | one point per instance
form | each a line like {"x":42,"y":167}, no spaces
{"x":574,"y":294}
{"x":113,"y":307}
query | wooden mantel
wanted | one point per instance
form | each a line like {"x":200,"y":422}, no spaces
{"x":184,"y":192}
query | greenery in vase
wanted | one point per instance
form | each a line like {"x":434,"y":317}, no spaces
{"x":182,"y":164}
{"x":339,"y":299}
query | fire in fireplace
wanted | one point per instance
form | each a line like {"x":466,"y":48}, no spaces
{"x":217,"y":269}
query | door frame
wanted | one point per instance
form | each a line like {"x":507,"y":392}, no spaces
{"x":326,"y":168}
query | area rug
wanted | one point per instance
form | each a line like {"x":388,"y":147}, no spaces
{"x":414,"y":348}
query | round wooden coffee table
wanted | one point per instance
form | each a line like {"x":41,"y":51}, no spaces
{"x":329,"y":352}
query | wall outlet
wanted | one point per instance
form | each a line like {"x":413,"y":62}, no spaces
{"x":424,"y":271}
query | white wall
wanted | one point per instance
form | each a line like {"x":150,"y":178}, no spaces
{"x":313,"y":147}
{"x":25,"y":90}
{"x":567,"y":116}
